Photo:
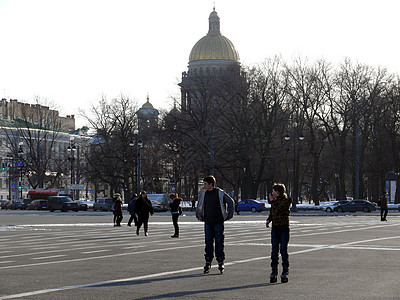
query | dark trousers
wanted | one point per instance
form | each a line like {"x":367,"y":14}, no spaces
{"x":132,"y":218}
{"x":175,"y":222}
{"x":214,"y":232}
{"x":384,"y":212}
{"x":143,"y":219}
{"x":117,"y":219}
{"x":279,"y":241}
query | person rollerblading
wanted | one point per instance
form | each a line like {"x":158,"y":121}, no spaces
{"x":214,"y":208}
{"x":273,"y":278}
{"x":280,"y":233}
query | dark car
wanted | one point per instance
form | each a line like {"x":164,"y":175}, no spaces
{"x":3,"y":203}
{"x":251,"y":205}
{"x":331,"y":207}
{"x":39,"y":204}
{"x":103,"y":204}
{"x":15,"y":204}
{"x":63,"y":203}
{"x":158,"y":206}
{"x":82,"y":205}
{"x":356,"y":205}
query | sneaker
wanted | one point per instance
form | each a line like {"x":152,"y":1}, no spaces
{"x":174,"y":236}
{"x":146,"y":234}
{"x":207,"y":268}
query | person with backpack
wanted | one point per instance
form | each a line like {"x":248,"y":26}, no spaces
{"x":131,"y":209}
{"x":384,"y":206}
{"x":143,"y":208}
{"x":117,"y":209}
{"x":176,"y":211}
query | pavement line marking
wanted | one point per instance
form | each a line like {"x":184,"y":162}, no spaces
{"x":173,"y":248}
{"x":96,"y":251}
{"x":46,"y":291}
{"x":46,"y":257}
{"x":6,"y":262}
{"x":360,"y":247}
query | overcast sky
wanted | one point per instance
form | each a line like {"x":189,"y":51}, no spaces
{"x":72,"y":52}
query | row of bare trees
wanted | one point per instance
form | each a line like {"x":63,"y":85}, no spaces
{"x":234,"y":126}
{"x":348,"y":116}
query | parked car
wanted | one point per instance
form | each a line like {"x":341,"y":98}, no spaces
{"x":162,"y":198}
{"x":251,"y":205}
{"x":26,"y":202}
{"x":333,"y":204}
{"x":103,"y":204}
{"x":82,"y":205}
{"x":158,"y":206}
{"x":39,"y":204}
{"x":15,"y":204}
{"x":3,"y":203}
{"x":356,"y":205}
{"x":63,"y":203}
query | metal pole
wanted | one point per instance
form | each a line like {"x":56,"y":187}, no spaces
{"x":20,"y":182}
{"x":212,"y":152}
{"x":138,"y":173}
{"x":357,"y":179}
{"x":9,"y":182}
{"x":294,"y":207}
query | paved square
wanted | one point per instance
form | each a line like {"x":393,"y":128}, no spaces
{"x":81,"y":256}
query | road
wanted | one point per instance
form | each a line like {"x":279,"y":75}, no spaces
{"x":82,"y":256}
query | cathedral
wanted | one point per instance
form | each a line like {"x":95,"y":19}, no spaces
{"x":212,"y":56}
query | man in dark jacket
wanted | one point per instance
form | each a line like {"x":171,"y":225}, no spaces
{"x":176,"y":210}
{"x":280,"y":233}
{"x":384,"y":206}
{"x":131,"y":209}
{"x":143,"y":208}
{"x":214,"y":208}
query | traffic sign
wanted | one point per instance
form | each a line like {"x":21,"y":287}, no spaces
{"x":20,"y":163}
{"x":77,"y":186}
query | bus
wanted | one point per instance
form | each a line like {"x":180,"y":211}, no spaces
{"x":45,"y":194}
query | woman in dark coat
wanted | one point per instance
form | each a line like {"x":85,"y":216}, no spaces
{"x":117,"y":209}
{"x":143,"y":208}
{"x":175,"y":212}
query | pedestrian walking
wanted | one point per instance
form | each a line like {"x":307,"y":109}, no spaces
{"x":117,"y":209}
{"x":176,"y":211}
{"x":193,"y":204}
{"x":131,"y":210}
{"x":143,"y":208}
{"x":214,"y":208}
{"x":384,"y":206}
{"x":280,"y":232}
{"x":236,"y":206}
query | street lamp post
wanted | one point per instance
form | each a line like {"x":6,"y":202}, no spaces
{"x":20,"y":164}
{"x":71,"y":149}
{"x":294,"y":188}
{"x":9,"y":163}
{"x":139,"y":144}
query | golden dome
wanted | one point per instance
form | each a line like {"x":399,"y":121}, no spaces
{"x":214,"y":45}
{"x":147,"y":104}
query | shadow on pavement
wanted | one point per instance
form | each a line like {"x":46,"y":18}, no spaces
{"x":190,"y":293}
